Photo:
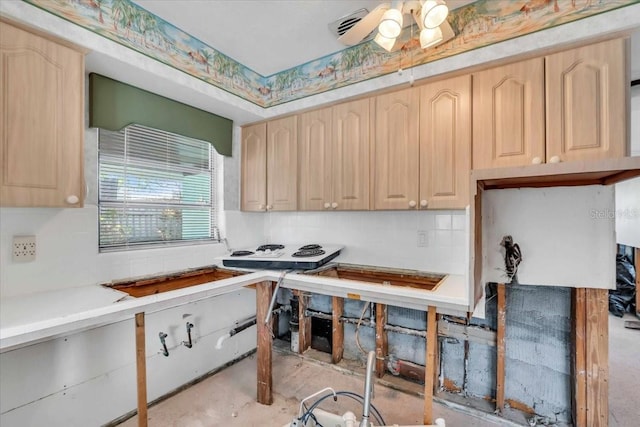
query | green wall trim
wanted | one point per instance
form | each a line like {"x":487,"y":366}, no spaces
{"x":114,"y":105}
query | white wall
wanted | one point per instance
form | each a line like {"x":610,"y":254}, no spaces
{"x":627,"y":212}
{"x":635,"y":120}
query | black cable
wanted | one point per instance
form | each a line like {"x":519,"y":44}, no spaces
{"x":358,"y":398}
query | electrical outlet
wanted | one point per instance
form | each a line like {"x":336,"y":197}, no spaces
{"x":24,"y":248}
{"x":423,"y":238}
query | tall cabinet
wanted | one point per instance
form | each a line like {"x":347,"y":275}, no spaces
{"x":41,"y":121}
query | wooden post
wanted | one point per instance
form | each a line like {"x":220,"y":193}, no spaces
{"x":382,"y":343}
{"x":432,"y":345}
{"x":141,"y":367}
{"x":337,"y":330}
{"x":597,"y":357}
{"x":590,"y":357}
{"x":264,"y":292}
{"x":579,"y":357}
{"x":501,"y":348}
{"x":304,"y":322}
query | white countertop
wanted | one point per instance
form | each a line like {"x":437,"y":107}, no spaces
{"x":37,"y":317}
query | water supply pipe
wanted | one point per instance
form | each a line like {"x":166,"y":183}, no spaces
{"x":368,"y":388}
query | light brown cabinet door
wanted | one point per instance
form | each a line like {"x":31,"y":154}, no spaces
{"x":41,"y":121}
{"x":282,"y":164}
{"x":350,"y":155}
{"x":254,"y":168}
{"x":314,"y":165}
{"x":587,"y":102}
{"x":395,"y":150}
{"x":508,"y":115}
{"x":445,"y":143}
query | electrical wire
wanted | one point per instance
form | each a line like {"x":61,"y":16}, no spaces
{"x":355,"y":396}
{"x":364,"y":310}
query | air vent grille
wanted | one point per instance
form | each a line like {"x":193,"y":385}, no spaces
{"x":344,"y":24}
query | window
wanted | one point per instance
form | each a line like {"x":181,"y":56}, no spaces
{"x":155,"y":188}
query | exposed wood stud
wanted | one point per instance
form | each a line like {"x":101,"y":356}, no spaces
{"x":500,"y":340}
{"x":579,"y":370}
{"x":382,"y":342}
{"x":432,"y":341}
{"x":264,"y":292}
{"x":304,"y":322}
{"x":141,"y":367}
{"x":337,"y":330}
{"x":597,"y":340}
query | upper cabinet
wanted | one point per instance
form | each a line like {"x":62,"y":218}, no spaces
{"x":508,"y":115}
{"x":395,"y":150}
{"x":587,"y":102}
{"x":445,"y":143}
{"x":254,"y":168}
{"x":334,"y":158}
{"x":568,"y":106}
{"x":42,"y":121}
{"x":269,"y":166}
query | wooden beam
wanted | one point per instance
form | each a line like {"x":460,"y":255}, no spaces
{"x":432,"y":346}
{"x":382,"y":342}
{"x":501,"y":348}
{"x":304,"y":322}
{"x":141,"y":367}
{"x":337,"y":330}
{"x":579,"y":358}
{"x":597,"y":340}
{"x":264,"y":292}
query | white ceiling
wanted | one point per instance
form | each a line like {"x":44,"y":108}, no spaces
{"x":267,"y":36}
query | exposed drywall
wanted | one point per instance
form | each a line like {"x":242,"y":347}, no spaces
{"x":565,"y":234}
{"x":627,"y":212}
{"x":89,"y":378}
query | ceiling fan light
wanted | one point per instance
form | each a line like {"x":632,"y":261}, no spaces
{"x":385,"y":43}
{"x":391,"y":24}
{"x":434,"y":12}
{"x":430,"y":37}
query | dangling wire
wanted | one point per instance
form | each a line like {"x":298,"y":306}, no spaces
{"x":411,"y":79}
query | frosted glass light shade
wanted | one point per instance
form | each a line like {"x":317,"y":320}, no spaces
{"x":430,"y":37}
{"x":434,"y":12}
{"x":385,"y":43}
{"x":391,"y":24}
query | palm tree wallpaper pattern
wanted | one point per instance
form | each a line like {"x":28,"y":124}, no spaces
{"x":476,"y":25}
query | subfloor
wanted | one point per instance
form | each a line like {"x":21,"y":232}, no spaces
{"x":228,"y":398}
{"x":624,"y":372}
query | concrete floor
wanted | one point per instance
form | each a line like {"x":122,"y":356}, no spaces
{"x":228,"y":398}
{"x":624,"y":373}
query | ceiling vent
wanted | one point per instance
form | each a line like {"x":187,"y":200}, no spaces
{"x":344,"y":24}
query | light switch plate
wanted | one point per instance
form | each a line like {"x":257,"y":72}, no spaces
{"x":24,"y":248}
{"x":423,"y":238}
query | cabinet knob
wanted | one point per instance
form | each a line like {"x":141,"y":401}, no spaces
{"x":72,"y":199}
{"x":412,"y":204}
{"x":554,"y":159}
{"x":269,"y":207}
{"x":261,"y":207}
{"x":334,"y":205}
{"x":327,"y":205}
{"x":536,"y":161}
{"x":423,"y":203}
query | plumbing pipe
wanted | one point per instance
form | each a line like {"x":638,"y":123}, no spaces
{"x":164,"y":349}
{"x":221,"y":340}
{"x":275,"y":296}
{"x":368,"y":388}
{"x":188,"y":343}
{"x":349,"y":419}
{"x":245,"y":325}
{"x":301,"y":410}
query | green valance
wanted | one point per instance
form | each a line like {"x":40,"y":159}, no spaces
{"x":114,"y":105}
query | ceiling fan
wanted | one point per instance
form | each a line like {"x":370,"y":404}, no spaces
{"x":391,"y":17}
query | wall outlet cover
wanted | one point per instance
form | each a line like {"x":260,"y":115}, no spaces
{"x":24,"y":248}
{"x":423,"y":238}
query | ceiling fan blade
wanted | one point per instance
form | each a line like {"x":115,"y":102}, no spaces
{"x":362,"y":29}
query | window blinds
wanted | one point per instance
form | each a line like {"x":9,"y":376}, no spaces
{"x":154,"y":188}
